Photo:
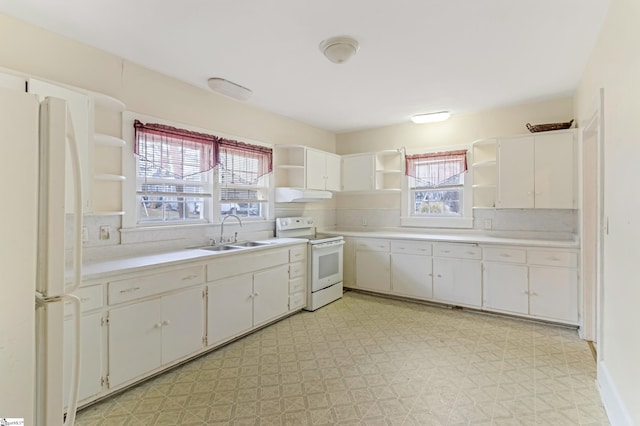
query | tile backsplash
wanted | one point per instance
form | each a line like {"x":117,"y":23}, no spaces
{"x":106,"y":238}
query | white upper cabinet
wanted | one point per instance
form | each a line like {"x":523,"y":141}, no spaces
{"x":358,"y":172}
{"x":297,"y":166}
{"x":537,"y":171}
{"x":379,"y":171}
{"x":323,"y":170}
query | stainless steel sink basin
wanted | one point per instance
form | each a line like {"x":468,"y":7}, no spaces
{"x":219,"y":248}
{"x":249,"y":244}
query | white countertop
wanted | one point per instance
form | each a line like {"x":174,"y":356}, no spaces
{"x":459,"y":236}
{"x":103,"y":269}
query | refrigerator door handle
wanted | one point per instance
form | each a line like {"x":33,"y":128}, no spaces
{"x":72,"y":398}
{"x":77,"y":207}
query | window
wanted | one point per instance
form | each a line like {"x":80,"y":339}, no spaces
{"x":189,"y":177}
{"x":436,"y":188}
{"x":243,"y":179}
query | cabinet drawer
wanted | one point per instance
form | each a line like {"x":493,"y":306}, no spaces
{"x":297,"y":285}
{"x":90,"y":299}
{"x":411,"y":247}
{"x":297,"y":301}
{"x":149,"y":285}
{"x":297,"y":254}
{"x":297,"y":269}
{"x":460,"y":251}
{"x":237,"y":264}
{"x":553,"y":258}
{"x":372,"y":245}
{"x":506,"y":255}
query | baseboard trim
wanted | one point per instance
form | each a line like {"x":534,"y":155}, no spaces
{"x":616,"y":411}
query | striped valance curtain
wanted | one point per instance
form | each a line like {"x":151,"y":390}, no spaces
{"x":436,"y":169}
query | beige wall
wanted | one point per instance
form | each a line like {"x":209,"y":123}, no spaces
{"x":615,"y":66}
{"x":459,"y":129}
{"x":39,"y":53}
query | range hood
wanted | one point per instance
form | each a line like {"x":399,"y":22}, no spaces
{"x":297,"y":195}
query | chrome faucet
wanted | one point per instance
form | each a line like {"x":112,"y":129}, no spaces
{"x":222,"y":225}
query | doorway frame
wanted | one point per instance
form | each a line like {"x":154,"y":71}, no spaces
{"x":592,"y":291}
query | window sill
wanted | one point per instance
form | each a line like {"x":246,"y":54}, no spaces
{"x":437,"y":222}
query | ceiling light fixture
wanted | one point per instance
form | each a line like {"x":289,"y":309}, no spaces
{"x":431,"y":117}
{"x":339,"y":49}
{"x":229,"y":88}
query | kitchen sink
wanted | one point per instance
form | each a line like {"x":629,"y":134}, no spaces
{"x":249,"y":244}
{"x":219,"y":248}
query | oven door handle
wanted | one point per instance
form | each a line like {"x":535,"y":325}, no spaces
{"x":327,"y":245}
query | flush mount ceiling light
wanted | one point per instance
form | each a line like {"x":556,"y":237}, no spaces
{"x":339,"y":49}
{"x":229,"y":88}
{"x":431,"y":117}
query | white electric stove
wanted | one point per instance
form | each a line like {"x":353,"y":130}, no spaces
{"x":324,"y":260}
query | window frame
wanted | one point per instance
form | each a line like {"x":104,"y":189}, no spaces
{"x":211,"y":216}
{"x":465,"y":221}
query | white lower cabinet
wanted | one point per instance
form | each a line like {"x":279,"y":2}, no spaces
{"x":146,"y":335}
{"x":373,"y":267}
{"x":411,"y":269}
{"x":349,"y":262}
{"x":553,"y":293}
{"x":271,"y":294}
{"x":539,"y":283}
{"x":457,"y":281}
{"x":506,"y":287}
{"x":239,"y":303}
{"x":457,"y":274}
{"x":230,"y":308}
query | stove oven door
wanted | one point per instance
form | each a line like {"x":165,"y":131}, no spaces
{"x":326,"y":264}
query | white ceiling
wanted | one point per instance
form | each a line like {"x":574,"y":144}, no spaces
{"x":415,"y":55}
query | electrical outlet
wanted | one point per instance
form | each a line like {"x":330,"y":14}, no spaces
{"x":105,"y":232}
{"x":85,"y":234}
{"x":487,"y":224}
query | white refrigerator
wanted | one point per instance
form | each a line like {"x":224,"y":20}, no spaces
{"x":36,"y":141}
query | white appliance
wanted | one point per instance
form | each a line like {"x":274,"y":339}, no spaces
{"x":324,"y":278}
{"x":34,"y":138}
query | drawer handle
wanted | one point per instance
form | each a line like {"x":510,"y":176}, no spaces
{"x":189,"y":277}
{"x":157,"y":325}
{"x":505,"y":255}
{"x":471,"y":252}
{"x":553,"y":258}
{"x":256,"y":294}
{"x":129,"y":290}
{"x":446,"y":251}
{"x":439,"y":276}
{"x":166,"y":322}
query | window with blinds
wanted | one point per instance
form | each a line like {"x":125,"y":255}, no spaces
{"x":243,"y":179}
{"x":185,"y":176}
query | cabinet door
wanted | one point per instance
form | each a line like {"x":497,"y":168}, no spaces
{"x":457,"y":281}
{"x":373,"y":271}
{"x":90,"y":352}
{"x":135,"y":340}
{"x":554,"y":171}
{"x":271,"y":294}
{"x":411,"y":275}
{"x":554,"y":293}
{"x":515,"y":173}
{"x":315,"y":169}
{"x":182,"y":324}
{"x":230,"y":308}
{"x":358,"y":173}
{"x":506,"y":287}
{"x":332,"y":172}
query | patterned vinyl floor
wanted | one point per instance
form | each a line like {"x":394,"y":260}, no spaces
{"x":366,"y":360}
